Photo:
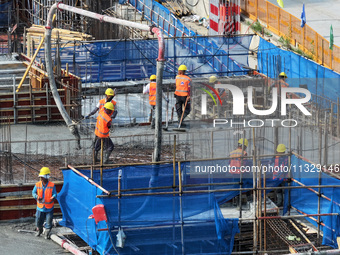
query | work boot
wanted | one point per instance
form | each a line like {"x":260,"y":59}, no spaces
{"x":47,"y":234}
{"x":107,"y":157}
{"x":40,"y":230}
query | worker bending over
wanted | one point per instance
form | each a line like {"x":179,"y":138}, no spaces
{"x":109,"y":95}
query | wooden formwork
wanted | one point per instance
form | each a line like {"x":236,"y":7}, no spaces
{"x":35,"y":102}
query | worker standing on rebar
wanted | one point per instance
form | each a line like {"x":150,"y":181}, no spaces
{"x":151,"y":89}
{"x":182,"y":93}
{"x":236,"y":156}
{"x":109,"y":95}
{"x":102,"y":132}
{"x":280,"y":173}
{"x":44,"y":192}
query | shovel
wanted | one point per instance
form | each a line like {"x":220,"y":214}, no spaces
{"x":180,"y":123}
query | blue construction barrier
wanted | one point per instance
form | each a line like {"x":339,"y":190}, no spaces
{"x":136,"y":59}
{"x":320,"y":81}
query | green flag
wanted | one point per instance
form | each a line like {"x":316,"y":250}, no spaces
{"x":280,"y":2}
{"x":331,"y":39}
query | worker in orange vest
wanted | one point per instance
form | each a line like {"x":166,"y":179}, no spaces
{"x":109,"y":95}
{"x":44,"y":192}
{"x":235,"y":161}
{"x":280,"y":83}
{"x":182,"y":93}
{"x":151,"y":89}
{"x":102,"y":132}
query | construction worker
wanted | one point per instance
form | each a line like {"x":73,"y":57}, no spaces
{"x":109,"y":95}
{"x":44,"y":192}
{"x":182,"y":93}
{"x":279,"y":172}
{"x":281,"y":82}
{"x":151,"y":89}
{"x":102,"y":132}
{"x":235,"y":161}
{"x":222,"y":93}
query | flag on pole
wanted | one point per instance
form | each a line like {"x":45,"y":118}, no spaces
{"x":280,"y":2}
{"x":331,"y":39}
{"x":303,"y":16}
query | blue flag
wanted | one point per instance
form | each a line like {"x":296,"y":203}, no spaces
{"x":303,"y":16}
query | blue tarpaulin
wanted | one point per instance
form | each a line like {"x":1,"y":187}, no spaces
{"x":320,"y":80}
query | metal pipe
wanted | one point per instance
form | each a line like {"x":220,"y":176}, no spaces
{"x":102,"y":18}
{"x":328,"y":252}
{"x":66,"y":245}
{"x":223,"y":190}
{"x":89,"y":180}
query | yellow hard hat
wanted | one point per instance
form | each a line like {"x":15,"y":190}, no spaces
{"x":283,"y":74}
{"x":212,"y":79}
{"x":281,"y":148}
{"x":109,"y":92}
{"x":153,"y":77}
{"x":182,"y":68}
{"x":240,"y":141}
{"x":44,"y":171}
{"x":109,"y":106}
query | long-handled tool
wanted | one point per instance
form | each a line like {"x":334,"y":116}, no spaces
{"x":166,"y":120}
{"x":180,"y":122}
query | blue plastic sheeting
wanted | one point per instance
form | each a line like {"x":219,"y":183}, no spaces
{"x":205,"y":230}
{"x":131,"y":60}
{"x":319,"y":80}
{"x":307,"y":201}
{"x":4,"y":6}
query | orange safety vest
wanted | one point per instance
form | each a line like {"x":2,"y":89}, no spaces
{"x":102,"y":102}
{"x":102,"y":130}
{"x":152,"y":93}
{"x":47,"y":202}
{"x":182,"y":85}
{"x":236,"y":161}
{"x":278,"y":173}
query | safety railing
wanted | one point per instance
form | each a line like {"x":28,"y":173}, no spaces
{"x":286,"y":25}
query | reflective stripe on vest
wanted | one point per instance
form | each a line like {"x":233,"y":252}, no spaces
{"x":102,"y":102}
{"x":152,"y":93}
{"x":182,"y":85}
{"x":235,"y":163}
{"x":47,"y":201}
{"x":102,"y":129}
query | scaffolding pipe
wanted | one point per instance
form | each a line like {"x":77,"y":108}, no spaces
{"x":89,"y":180}
{"x":102,"y":18}
{"x":66,"y":245}
{"x":328,"y":252}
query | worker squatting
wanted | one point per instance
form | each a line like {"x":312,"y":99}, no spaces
{"x":214,"y":169}
{"x":255,"y":122}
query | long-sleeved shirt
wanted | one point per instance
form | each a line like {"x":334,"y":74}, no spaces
{"x":35,"y":195}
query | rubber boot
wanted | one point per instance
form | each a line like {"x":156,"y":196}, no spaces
{"x":47,"y":234}
{"x":40,"y":230}
{"x":107,"y":157}
{"x":153,"y":123}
